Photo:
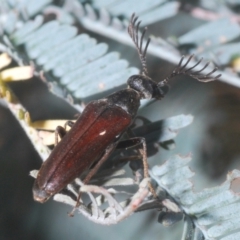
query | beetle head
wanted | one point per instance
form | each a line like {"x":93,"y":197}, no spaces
{"x":146,"y":87}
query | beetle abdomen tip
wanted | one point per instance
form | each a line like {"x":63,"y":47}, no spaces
{"x":40,"y":195}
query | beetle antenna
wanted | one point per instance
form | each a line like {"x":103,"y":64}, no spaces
{"x":133,"y":33}
{"x":182,"y":69}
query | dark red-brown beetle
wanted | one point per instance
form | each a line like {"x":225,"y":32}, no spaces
{"x":98,"y":130}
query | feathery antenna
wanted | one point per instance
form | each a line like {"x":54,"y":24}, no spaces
{"x":133,"y":33}
{"x":183,"y":70}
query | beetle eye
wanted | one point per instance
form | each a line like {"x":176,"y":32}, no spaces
{"x":164,"y":90}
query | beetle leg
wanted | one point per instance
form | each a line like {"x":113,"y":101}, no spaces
{"x":143,"y":151}
{"x":133,"y":142}
{"x":99,"y":163}
{"x":61,"y":131}
{"x":129,"y":143}
{"x":93,"y":171}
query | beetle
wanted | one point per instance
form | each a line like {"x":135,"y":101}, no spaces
{"x":98,"y":130}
